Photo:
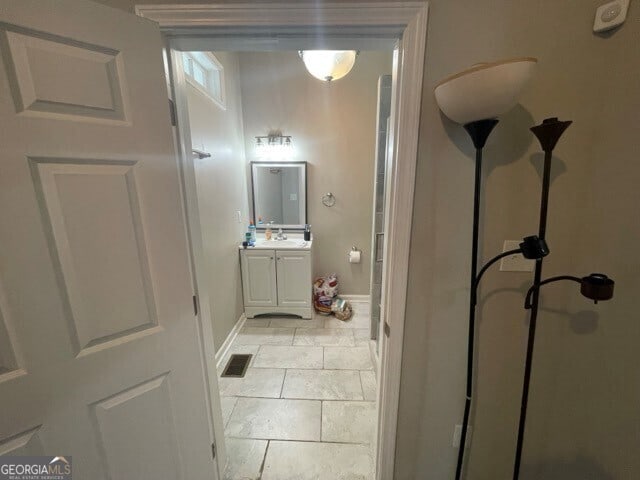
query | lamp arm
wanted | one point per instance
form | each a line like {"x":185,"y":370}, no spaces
{"x":486,"y":267}
{"x":527,"y":301}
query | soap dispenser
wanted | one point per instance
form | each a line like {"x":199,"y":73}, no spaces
{"x":268,"y":232}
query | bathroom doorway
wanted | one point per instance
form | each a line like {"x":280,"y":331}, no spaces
{"x":268,"y":141}
{"x":342,"y":26}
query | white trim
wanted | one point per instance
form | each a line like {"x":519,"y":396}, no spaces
{"x":178,"y":92}
{"x":404,"y":135}
{"x":224,"y":348}
{"x":409,"y":20}
{"x":355,"y":298}
{"x":378,"y":16}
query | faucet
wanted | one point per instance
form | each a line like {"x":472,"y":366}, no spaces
{"x":280,"y":235}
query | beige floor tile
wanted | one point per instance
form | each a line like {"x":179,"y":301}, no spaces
{"x":280,"y":356}
{"x":324,"y":337}
{"x":257,"y":382}
{"x":347,"y":358}
{"x":356,"y":321}
{"x":323,"y":385}
{"x":317,"y":461}
{"x":296,"y":323}
{"x":245,"y":457}
{"x":362,"y":336}
{"x":281,"y":419}
{"x":348,"y":422}
{"x":227,"y":404}
{"x":369,"y":386}
{"x":265,"y":336}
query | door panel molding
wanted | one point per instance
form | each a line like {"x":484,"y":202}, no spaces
{"x":152,"y":429}
{"x":11,"y":361}
{"x":59,"y":77}
{"x":104,"y":279}
{"x":25,"y":443}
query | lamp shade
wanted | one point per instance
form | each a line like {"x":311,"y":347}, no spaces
{"x":328,"y":65}
{"x":485,"y":90}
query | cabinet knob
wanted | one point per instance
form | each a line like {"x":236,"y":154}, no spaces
{"x":270,"y":258}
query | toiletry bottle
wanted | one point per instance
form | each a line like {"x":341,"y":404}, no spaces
{"x":307,"y":232}
{"x":247,"y":239}
{"x":260,"y":221}
{"x":252,"y":230}
{"x":268,"y":232}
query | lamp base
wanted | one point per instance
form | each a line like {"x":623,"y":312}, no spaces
{"x":479,"y":131}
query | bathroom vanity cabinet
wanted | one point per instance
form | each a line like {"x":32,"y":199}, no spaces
{"x":276,"y":281}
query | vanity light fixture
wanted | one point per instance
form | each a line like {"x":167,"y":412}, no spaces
{"x":274,"y":146}
{"x":474,"y":98}
{"x":328,"y":65}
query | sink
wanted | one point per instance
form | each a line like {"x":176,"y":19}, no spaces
{"x":283,"y":243}
{"x":290,"y":243}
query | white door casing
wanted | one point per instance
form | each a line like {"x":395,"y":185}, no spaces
{"x":293,"y":273}
{"x":259,"y":285}
{"x":100,"y":349}
{"x":407,"y":23}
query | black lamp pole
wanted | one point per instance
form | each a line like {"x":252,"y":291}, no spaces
{"x":548,"y":134}
{"x":479,"y":132}
{"x":596,"y":286}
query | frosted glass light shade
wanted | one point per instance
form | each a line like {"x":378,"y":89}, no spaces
{"x":328,"y":65}
{"x":484,"y":91}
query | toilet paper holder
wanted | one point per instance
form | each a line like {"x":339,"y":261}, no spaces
{"x":354,"y":255}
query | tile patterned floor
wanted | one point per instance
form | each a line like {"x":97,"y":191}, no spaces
{"x":305,"y":409}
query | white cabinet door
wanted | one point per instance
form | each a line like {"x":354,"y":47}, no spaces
{"x":100,"y":350}
{"x":259,"y":278}
{"x":294,"y":278}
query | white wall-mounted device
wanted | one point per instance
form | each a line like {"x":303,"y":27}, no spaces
{"x":610,"y":15}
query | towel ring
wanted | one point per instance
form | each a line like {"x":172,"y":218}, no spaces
{"x":328,"y":199}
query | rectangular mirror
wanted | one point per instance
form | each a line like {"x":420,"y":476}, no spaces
{"x":279,"y":192}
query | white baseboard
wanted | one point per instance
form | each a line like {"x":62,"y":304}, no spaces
{"x":224,"y":348}
{"x":356,"y":298}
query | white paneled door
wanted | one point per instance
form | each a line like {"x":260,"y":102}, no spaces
{"x":100,"y":353}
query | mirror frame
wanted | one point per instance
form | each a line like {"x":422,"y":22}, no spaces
{"x":253,"y":195}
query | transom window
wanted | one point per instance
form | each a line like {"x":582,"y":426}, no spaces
{"x":205,"y":72}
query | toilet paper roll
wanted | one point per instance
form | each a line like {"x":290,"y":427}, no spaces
{"x":354,"y":256}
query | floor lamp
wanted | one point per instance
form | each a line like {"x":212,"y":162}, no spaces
{"x":596,"y":286}
{"x":475,"y":98}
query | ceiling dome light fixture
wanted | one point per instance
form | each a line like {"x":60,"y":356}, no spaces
{"x":328,"y":65}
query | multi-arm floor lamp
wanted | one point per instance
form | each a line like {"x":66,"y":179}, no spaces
{"x":474,"y":98}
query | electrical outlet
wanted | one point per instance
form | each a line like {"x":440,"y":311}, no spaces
{"x":515,"y":262}
{"x":457,"y":436}
{"x":239,"y":216}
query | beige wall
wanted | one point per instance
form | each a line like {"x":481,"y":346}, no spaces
{"x":584,"y":415}
{"x":585,"y":392}
{"x":334,"y":130}
{"x":222,"y":191}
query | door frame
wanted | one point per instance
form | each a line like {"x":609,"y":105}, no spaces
{"x":408,"y":22}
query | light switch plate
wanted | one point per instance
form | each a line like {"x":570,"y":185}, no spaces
{"x":515,"y":262}
{"x":610,"y":15}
